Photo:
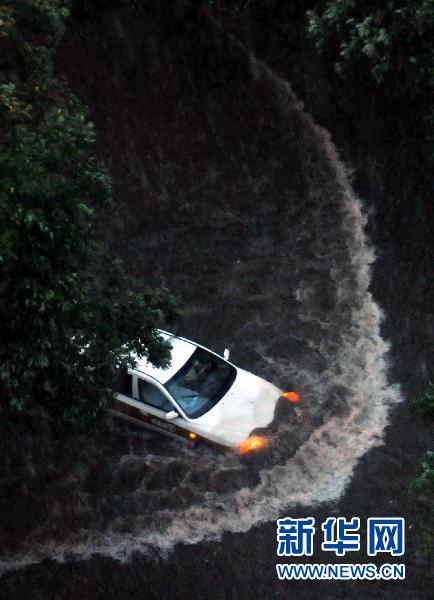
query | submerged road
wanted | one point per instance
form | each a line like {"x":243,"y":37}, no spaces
{"x":233,"y":197}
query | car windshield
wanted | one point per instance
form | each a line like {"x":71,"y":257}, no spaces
{"x":201,"y":383}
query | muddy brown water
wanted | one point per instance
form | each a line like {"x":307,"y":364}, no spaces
{"x":232,"y":196}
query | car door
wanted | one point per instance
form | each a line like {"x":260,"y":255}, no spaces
{"x":141,"y":401}
{"x":146,"y":402}
{"x":154,"y":402}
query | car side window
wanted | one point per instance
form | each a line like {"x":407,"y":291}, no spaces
{"x":149,"y":394}
{"x":123,"y":383}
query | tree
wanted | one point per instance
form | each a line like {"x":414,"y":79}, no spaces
{"x":392,"y":37}
{"x":68,"y":318}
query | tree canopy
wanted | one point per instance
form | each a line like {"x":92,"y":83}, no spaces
{"x":68,"y":314}
{"x":392,"y":37}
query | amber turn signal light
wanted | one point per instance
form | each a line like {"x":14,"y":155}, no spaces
{"x":292,"y":396}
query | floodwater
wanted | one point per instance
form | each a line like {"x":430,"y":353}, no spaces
{"x":282,"y":278}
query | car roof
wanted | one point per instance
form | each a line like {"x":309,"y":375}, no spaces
{"x":182,"y":349}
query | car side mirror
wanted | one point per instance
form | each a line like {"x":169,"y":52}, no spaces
{"x":171,"y":415}
{"x":226,"y":354}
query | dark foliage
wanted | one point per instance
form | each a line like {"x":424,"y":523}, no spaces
{"x":68,"y":315}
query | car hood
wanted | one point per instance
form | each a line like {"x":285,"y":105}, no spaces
{"x":249,"y":403}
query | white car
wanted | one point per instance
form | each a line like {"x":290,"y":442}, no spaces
{"x":200,"y":397}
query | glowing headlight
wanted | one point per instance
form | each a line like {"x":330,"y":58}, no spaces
{"x":254,"y":442}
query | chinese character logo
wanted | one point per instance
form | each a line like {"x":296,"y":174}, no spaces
{"x":386,"y":535}
{"x":295,"y":536}
{"x":337,"y":536}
